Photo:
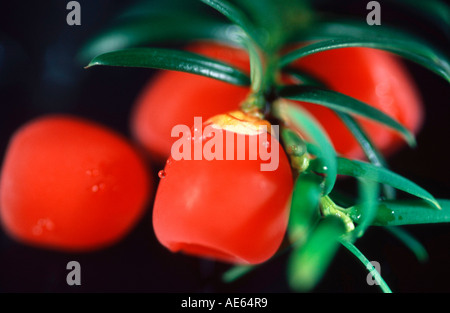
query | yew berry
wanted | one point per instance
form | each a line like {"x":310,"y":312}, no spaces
{"x":173,"y":98}
{"x":71,"y":184}
{"x":374,"y":77}
{"x":226,"y":208}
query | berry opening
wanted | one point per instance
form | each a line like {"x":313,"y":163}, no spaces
{"x":205,"y":251}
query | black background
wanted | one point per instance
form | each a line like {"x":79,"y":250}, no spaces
{"x":39,"y":74}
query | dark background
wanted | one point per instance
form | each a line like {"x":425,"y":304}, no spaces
{"x":39,"y":74}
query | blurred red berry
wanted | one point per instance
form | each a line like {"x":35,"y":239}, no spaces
{"x":70,"y":184}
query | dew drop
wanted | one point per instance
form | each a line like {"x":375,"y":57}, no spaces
{"x":41,"y":225}
{"x":95,"y":188}
{"x":92,"y":172}
{"x":162,"y":174}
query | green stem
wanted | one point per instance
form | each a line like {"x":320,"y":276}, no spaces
{"x":270,"y":73}
{"x":264,"y":67}
{"x":295,"y":147}
{"x":255,"y":101}
{"x":330,"y":208}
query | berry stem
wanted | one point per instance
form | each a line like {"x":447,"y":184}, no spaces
{"x":260,"y":98}
{"x":328,"y":207}
{"x":296,"y":149}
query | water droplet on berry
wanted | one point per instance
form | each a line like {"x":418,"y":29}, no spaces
{"x":162,"y":174}
{"x":41,"y":225}
{"x":93,"y":172}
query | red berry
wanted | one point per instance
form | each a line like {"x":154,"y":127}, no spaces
{"x":374,"y":77}
{"x":70,"y":184}
{"x":228,"y":209}
{"x":174,"y":98}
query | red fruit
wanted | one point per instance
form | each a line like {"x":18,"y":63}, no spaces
{"x":174,"y":98}
{"x":70,"y":184}
{"x":229,"y":209}
{"x":372,"y":76}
